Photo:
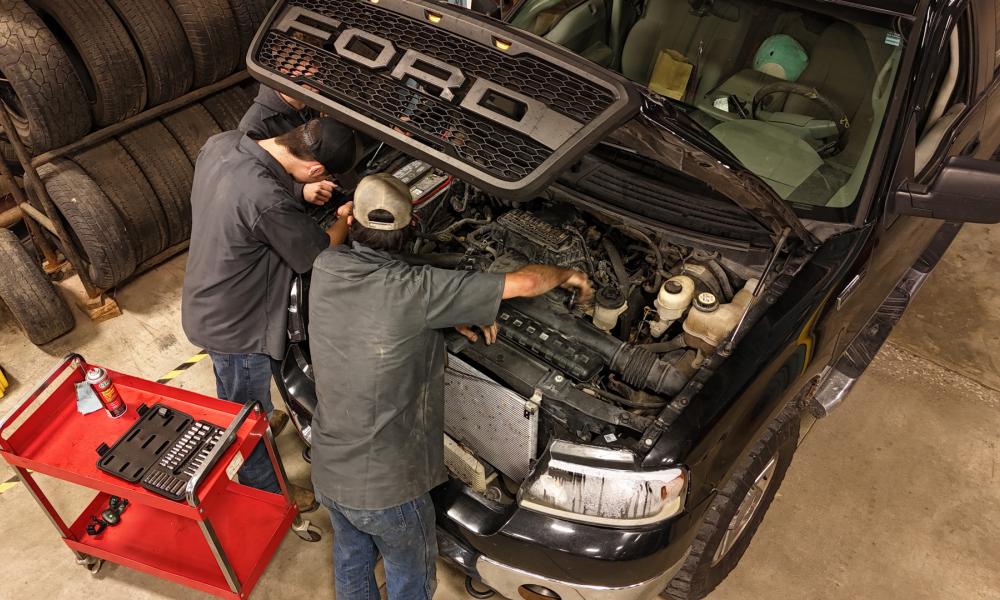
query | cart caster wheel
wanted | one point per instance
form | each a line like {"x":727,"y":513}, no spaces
{"x":307,"y":454}
{"x":91,"y":564}
{"x":306,"y":530}
{"x":95,"y":568}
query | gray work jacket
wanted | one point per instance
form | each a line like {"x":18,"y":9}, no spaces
{"x":249,"y":236}
{"x":378,"y":356}
{"x":270,"y":116}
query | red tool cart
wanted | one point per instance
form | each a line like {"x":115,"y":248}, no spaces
{"x":219,"y":540}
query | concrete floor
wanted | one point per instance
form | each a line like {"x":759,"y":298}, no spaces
{"x":894,"y":496}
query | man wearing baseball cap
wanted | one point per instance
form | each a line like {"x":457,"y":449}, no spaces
{"x":250,"y":235}
{"x":376,"y":336}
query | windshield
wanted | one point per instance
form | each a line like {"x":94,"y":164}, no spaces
{"x":797,"y":95}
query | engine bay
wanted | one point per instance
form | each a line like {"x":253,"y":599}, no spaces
{"x":596,"y":373}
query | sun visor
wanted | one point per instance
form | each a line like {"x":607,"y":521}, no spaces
{"x":490,"y":104}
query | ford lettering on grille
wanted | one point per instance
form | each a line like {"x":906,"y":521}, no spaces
{"x":491,"y":104}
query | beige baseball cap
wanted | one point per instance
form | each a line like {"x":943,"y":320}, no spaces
{"x":383,"y":192}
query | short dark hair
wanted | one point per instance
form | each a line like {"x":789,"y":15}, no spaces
{"x":380,"y":239}
{"x":295,"y":141}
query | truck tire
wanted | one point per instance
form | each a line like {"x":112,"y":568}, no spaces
{"x":166,"y":167}
{"x":162,"y":45}
{"x":112,"y":67}
{"x":262,"y":7}
{"x":8,"y":156}
{"x":228,"y":107}
{"x":41,"y":90}
{"x":36,"y":305}
{"x":124,"y":184}
{"x":191,"y":127}
{"x":93,"y":221}
{"x":6,"y":150}
{"x":210,"y":27}
{"x":246,"y":21}
{"x":737,"y":510}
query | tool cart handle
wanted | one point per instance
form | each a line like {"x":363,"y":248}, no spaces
{"x":221,"y":446}
{"x":70,"y":360}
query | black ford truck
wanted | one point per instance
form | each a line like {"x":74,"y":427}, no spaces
{"x":754,"y":225}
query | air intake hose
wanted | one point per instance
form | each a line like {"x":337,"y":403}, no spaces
{"x":639,"y":368}
{"x":642,"y":369}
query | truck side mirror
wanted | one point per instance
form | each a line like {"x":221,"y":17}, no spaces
{"x":966,"y":191}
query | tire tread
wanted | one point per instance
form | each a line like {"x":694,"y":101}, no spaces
{"x":121,"y":179}
{"x":692,"y":582}
{"x":94,"y":221}
{"x":29,"y":295}
{"x":191,"y":127}
{"x":110,"y":57}
{"x":42,"y":75}
{"x":212,"y":35}
{"x":169,"y":172}
{"x":162,"y":46}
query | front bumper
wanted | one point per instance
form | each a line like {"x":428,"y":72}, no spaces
{"x":508,"y":581}
{"x":488,"y":541}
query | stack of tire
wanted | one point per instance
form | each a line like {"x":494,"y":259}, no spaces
{"x":68,"y":67}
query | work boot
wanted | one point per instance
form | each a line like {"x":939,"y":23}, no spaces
{"x":278,"y":420}
{"x":304,"y":498}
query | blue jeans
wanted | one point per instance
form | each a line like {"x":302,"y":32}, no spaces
{"x":246,"y":378}
{"x":404,"y":535}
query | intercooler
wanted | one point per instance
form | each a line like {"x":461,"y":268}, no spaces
{"x":497,"y":424}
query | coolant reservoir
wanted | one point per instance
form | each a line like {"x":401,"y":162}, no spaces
{"x":608,"y":306}
{"x":674,"y":298}
{"x":709,"y":323}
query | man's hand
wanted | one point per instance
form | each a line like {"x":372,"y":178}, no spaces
{"x":489,"y":333}
{"x":318,"y":193}
{"x":579,"y":283}
{"x":534,"y":280}
{"x":339,"y":229}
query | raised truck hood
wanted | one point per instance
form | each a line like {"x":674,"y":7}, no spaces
{"x":493,"y":105}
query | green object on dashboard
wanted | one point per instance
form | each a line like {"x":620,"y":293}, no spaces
{"x":781,"y":56}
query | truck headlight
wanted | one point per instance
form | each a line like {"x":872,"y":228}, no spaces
{"x":600,"y":485}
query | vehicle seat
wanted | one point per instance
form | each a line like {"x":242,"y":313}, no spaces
{"x":841,"y":67}
{"x":672,"y":25}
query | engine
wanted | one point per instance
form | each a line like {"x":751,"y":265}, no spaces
{"x":605,"y":368}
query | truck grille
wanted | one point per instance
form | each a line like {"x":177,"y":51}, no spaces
{"x":445,"y":126}
{"x":490,"y":104}
{"x":567,"y":93}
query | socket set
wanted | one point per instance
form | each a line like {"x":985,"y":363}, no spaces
{"x":162,"y":450}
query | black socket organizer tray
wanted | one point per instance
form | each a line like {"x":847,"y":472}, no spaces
{"x":161,"y":451}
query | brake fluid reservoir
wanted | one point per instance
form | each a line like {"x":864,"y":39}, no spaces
{"x":674,"y":298}
{"x":608,"y":306}
{"x":709,"y":323}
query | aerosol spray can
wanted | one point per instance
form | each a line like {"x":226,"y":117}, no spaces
{"x":105,"y":389}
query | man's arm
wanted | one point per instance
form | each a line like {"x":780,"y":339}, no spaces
{"x":535,"y":280}
{"x":338,"y":231}
{"x":288,"y":230}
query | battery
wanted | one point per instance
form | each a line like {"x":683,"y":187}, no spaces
{"x":100,"y":381}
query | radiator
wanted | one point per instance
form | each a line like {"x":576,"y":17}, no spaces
{"x":489,"y":419}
